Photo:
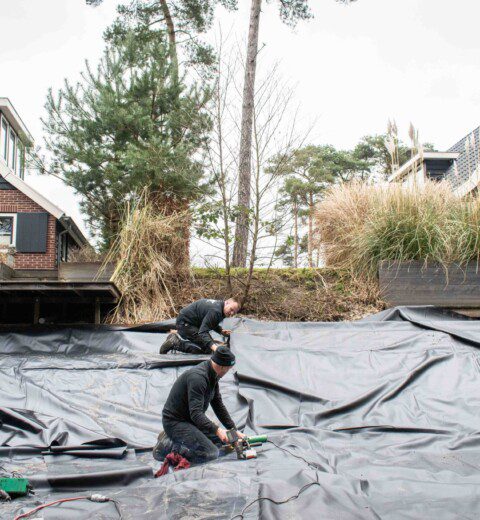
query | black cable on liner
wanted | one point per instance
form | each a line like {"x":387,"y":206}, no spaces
{"x":276,"y":502}
{"x":293,"y":497}
{"x":299,"y":457}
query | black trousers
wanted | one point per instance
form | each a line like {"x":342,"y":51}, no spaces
{"x":189,"y":441}
{"x":193,"y":342}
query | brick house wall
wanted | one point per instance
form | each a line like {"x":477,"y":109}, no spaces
{"x":14,"y":201}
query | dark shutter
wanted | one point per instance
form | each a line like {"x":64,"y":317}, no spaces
{"x":4,"y":185}
{"x":32,"y":232}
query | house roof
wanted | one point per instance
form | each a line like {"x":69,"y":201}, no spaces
{"x":15,"y":120}
{"x":464,"y":176}
{"x":66,"y":221}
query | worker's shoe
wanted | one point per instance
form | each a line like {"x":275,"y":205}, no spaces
{"x":163,"y":447}
{"x":171,"y":343}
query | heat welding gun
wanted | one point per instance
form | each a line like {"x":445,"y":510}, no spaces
{"x":245,"y":447}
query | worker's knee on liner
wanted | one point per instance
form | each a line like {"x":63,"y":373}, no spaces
{"x":206,"y":454}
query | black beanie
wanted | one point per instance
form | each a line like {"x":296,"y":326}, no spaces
{"x":224,"y":357}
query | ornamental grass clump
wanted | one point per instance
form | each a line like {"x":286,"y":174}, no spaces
{"x":151,"y":264}
{"x":360,"y":225}
{"x":464,"y":228}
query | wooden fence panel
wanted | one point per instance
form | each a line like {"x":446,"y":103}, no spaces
{"x":413,"y":283}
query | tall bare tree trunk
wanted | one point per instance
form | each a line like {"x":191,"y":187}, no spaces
{"x":253,"y":254}
{"x":172,"y":39}
{"x":223,"y":188}
{"x":245,"y":157}
{"x":256,"y":216}
{"x":295,"y":235}
{"x":310,"y":229}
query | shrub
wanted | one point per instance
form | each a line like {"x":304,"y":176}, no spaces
{"x":359,"y":225}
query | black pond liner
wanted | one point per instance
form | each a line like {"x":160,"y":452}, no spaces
{"x":378,"y":418}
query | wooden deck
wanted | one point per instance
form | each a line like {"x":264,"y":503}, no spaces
{"x":76,"y":292}
{"x":43,"y":295}
{"x":19,"y":288}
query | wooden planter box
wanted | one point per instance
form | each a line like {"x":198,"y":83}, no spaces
{"x":85,"y":271}
{"x":413,"y":283}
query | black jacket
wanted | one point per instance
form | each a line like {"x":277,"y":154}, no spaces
{"x":190,"y":396}
{"x":206,"y":315}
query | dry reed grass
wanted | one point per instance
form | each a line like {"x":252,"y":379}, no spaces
{"x":360,"y":225}
{"x":151,"y":267}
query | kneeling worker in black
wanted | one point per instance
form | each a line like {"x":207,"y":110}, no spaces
{"x":194,"y":324}
{"x":187,"y":430}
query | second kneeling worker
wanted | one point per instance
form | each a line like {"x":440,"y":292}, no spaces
{"x":194,"y":324}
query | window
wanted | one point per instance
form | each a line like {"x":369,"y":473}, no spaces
{"x":19,"y":162}
{"x":3,"y":140}
{"x":7,"y":230}
{"x":12,"y":151}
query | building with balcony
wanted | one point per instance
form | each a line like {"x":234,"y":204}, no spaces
{"x":459,"y":166}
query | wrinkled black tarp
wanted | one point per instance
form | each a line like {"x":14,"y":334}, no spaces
{"x":385,"y":413}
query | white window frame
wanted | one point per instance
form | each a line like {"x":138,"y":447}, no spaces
{"x":4,"y":247}
{"x":6,"y":160}
{"x":3,"y":121}
{"x":20,"y":158}
{"x":13,"y":157}
{"x":17,"y":158}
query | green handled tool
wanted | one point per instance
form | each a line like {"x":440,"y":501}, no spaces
{"x":244,"y":447}
{"x":257,"y":439}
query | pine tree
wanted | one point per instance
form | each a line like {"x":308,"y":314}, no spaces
{"x":128,"y":125}
{"x":293,"y":198}
{"x":309,"y":171}
{"x":187,"y":18}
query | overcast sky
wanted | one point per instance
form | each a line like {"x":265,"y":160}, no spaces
{"x":354,"y":67}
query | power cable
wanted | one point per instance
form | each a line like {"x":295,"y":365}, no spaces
{"x":276,"y":502}
{"x":92,"y":498}
{"x":299,"y":457}
{"x":293,"y":497}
